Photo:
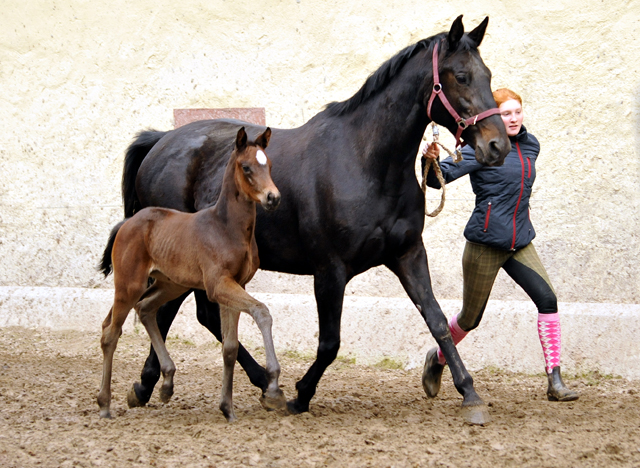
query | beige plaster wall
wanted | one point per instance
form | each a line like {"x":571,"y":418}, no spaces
{"x":78,"y":79}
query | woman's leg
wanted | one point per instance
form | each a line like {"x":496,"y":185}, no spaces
{"x":527,"y":271}
{"x":480,"y":266}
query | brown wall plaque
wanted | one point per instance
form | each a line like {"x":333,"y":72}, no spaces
{"x":254,"y":115}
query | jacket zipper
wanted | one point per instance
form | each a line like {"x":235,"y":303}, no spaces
{"x":515,"y":212}
{"x":486,"y":219}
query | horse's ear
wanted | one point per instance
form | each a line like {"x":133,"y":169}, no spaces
{"x":477,"y":34}
{"x":263,"y":140}
{"x":455,"y":34}
{"x":241,"y":139}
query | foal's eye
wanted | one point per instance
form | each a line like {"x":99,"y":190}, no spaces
{"x":246,"y":169}
{"x":462,"y":79}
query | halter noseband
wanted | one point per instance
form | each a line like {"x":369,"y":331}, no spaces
{"x":437,"y":91}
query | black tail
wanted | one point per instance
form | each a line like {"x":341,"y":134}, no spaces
{"x":106,"y":265}
{"x":136,"y":153}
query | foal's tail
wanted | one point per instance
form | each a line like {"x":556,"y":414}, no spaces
{"x":106,"y":264}
{"x":134,"y":156}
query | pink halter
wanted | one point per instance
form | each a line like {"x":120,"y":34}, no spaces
{"x":437,"y":91}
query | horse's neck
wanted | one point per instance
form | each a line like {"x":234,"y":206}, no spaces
{"x":234,"y":208}
{"x":391,"y":123}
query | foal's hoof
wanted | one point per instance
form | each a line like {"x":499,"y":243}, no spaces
{"x":165,"y":394}
{"x":295,"y":407}
{"x":105,"y":414}
{"x":476,"y":415}
{"x":132,"y":398}
{"x":227,"y":411}
{"x":273,"y":402}
{"x":432,"y":374}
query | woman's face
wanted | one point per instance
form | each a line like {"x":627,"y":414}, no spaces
{"x":511,"y":112}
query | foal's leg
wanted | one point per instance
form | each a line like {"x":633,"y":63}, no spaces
{"x":209,"y":316}
{"x":140,"y":392}
{"x":111,"y":331}
{"x":231,"y":296}
{"x":229,"y":321}
{"x":157,"y":294}
{"x":413,"y":271}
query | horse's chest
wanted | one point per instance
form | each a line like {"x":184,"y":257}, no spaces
{"x":247,"y":267}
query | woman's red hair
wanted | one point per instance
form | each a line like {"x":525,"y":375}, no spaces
{"x":503,"y":94}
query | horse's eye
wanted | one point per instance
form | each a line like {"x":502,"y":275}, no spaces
{"x":462,"y":79}
{"x":246,"y":169}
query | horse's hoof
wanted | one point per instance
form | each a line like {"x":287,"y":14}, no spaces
{"x":432,"y":374}
{"x":294,"y":407}
{"x":105,"y":414}
{"x":132,"y":398}
{"x":165,"y":394}
{"x":227,"y":411}
{"x":141,"y":395}
{"x":476,"y":415}
{"x":276,"y":402}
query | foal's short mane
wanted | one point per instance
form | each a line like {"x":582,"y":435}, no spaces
{"x":387,"y":71}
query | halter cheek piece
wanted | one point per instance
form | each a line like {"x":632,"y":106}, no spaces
{"x":437,"y":92}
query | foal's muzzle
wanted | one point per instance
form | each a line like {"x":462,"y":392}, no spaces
{"x":272,"y":201}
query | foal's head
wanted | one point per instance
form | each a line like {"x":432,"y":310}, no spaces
{"x":253,"y":170}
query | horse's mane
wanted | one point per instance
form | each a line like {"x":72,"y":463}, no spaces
{"x":383,"y":75}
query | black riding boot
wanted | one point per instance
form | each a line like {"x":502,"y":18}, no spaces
{"x":557,"y":390}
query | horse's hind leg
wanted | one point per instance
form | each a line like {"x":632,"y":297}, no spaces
{"x":140,"y":392}
{"x":157,"y":294}
{"x":111,"y":331}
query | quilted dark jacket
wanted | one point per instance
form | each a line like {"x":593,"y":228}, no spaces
{"x":501,"y":216}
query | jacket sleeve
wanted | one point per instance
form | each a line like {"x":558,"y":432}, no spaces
{"x":452,"y":171}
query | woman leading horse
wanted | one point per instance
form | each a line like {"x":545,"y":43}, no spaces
{"x":499,"y":235}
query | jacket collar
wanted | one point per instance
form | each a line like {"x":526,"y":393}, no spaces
{"x":521,"y":137}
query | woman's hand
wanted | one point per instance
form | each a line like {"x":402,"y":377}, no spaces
{"x":431,"y":151}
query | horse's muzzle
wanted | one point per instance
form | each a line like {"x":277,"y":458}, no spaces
{"x":493,"y":153}
{"x":272,"y":201}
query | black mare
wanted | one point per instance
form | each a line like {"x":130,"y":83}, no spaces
{"x":350,"y":198}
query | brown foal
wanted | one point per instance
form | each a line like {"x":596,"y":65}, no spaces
{"x":214,"y":250}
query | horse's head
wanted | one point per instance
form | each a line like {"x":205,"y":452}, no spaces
{"x":253,"y":170}
{"x":465,"y":82}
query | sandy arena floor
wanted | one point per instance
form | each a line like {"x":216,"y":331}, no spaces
{"x":361,"y":415}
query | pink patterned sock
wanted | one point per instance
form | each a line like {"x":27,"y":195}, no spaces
{"x":550,"y":339}
{"x":457,"y":334}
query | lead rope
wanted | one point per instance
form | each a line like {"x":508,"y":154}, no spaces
{"x":457,"y":157}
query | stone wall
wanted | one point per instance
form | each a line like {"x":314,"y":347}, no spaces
{"x":79,"y":79}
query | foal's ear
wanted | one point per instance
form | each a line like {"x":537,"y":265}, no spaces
{"x":455,"y":34}
{"x":241,"y":139}
{"x":263,"y":140}
{"x":477,"y":34}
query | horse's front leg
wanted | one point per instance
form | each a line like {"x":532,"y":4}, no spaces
{"x":232,"y":299}
{"x":413,"y":271}
{"x":209,"y":316}
{"x":140,"y":392}
{"x":329,"y":285}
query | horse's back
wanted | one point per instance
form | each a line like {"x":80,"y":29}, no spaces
{"x":178,"y":171}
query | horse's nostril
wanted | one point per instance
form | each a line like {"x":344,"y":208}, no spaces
{"x":273,"y":199}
